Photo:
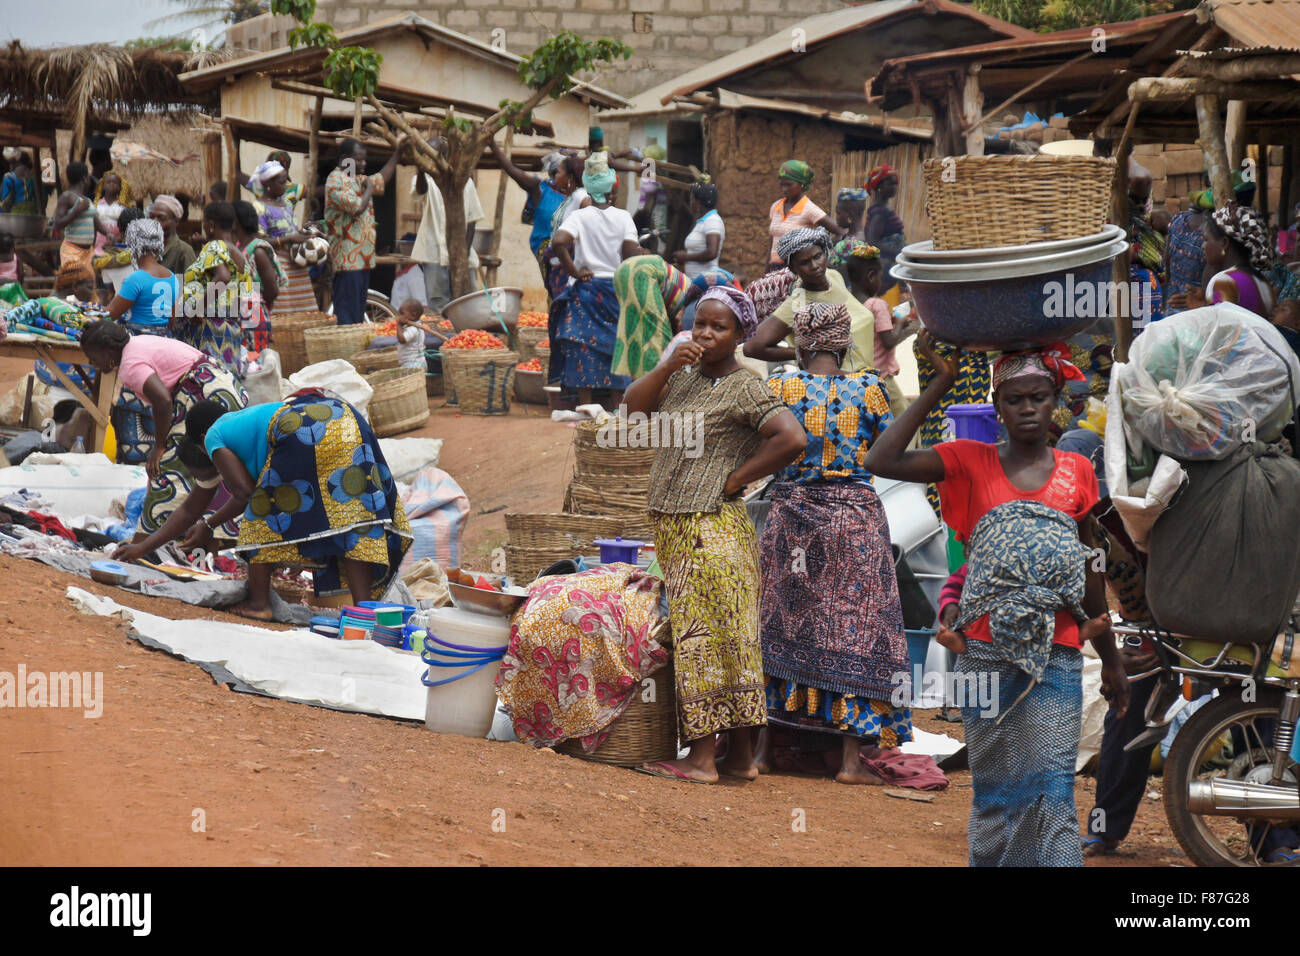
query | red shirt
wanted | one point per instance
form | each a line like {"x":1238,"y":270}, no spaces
{"x":974,"y":483}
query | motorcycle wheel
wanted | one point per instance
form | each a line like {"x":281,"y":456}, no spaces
{"x":378,"y":308}
{"x":1221,"y":840}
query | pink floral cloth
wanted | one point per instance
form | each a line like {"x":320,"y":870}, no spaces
{"x":580,"y":647}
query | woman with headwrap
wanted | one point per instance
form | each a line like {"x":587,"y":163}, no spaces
{"x":289,"y":194}
{"x":168,"y":212}
{"x":833,"y":647}
{"x":806,"y":253}
{"x":1185,"y":251}
{"x":1238,"y":256}
{"x":590,"y":244}
{"x":217,"y":286}
{"x":884,"y":228}
{"x":151,"y":292}
{"x":859,"y":263}
{"x":172,"y":378}
{"x":651,"y":294}
{"x":1024,"y":511}
{"x":731,"y":431}
{"x":266,"y":275}
{"x":275,"y":219}
{"x":850,"y":208}
{"x":794,"y":210}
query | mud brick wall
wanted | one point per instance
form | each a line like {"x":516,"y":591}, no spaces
{"x":1177,"y":171}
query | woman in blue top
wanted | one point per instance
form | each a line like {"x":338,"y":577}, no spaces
{"x":312,"y":486}
{"x":151,"y":292}
{"x":545,"y":196}
{"x":832,"y":626}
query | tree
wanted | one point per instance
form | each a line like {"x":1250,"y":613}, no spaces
{"x":352,"y":72}
{"x":212,"y":15}
{"x":1047,"y":16}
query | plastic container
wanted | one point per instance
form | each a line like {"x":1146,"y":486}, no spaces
{"x":463,"y":651}
{"x":918,"y":647}
{"x":325,"y":625}
{"x":618,"y":550}
{"x":406,"y":609}
{"x":109,"y":572}
{"x":355,"y":632}
{"x":977,"y":422}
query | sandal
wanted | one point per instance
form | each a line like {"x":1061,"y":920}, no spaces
{"x":669,"y":772}
{"x":1098,"y":846}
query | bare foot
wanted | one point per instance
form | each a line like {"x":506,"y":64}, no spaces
{"x":857,"y":773}
{"x":1094,"y":627}
{"x":683,"y":770}
{"x":739,"y":771}
{"x":955,"y":641}
{"x":244,"y":609}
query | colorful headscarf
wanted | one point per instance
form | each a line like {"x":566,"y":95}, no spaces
{"x":706,"y":193}
{"x":551,"y":162}
{"x":878,"y":175}
{"x":850,"y":194}
{"x":795,"y":241}
{"x":1244,"y":225}
{"x":822,"y":327}
{"x":144,"y":235}
{"x":769,"y":291}
{"x":796,"y":170}
{"x":1203,"y":200}
{"x":847,"y":249}
{"x":597,"y":178}
{"x":171,"y":204}
{"x":741,"y":305}
{"x":708,"y":279}
{"x":267,"y":170}
{"x":1052,"y":361}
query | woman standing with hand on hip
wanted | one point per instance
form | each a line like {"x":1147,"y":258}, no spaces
{"x":734,"y":431}
{"x":1023,"y":510}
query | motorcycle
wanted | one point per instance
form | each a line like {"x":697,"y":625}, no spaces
{"x":1231,"y":788}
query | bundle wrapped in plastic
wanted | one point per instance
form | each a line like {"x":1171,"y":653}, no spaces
{"x":1201,"y":383}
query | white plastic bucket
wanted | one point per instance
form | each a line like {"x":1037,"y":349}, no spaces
{"x":463,"y":652}
{"x":911,"y":519}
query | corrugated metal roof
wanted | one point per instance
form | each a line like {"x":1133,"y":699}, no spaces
{"x":1256,"y":23}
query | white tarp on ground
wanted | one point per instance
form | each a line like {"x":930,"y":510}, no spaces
{"x":71,"y":485}
{"x":359,"y":676}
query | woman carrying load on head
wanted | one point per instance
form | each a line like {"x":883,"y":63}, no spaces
{"x":834,"y":652}
{"x":173,"y":378}
{"x":884,"y":228}
{"x":310,"y":481}
{"x":794,"y":210}
{"x":274,"y":206}
{"x":1023,"y":510}
{"x":738,"y":433}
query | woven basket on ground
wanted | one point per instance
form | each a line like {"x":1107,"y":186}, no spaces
{"x":645,"y":732}
{"x":373,"y":360}
{"x":399,"y":403}
{"x":628,"y":506}
{"x":482,"y":380}
{"x":537,"y":541}
{"x":527,"y":338}
{"x":610,"y":480}
{"x":338,"y":342}
{"x":287,"y":337}
{"x":983,"y":201}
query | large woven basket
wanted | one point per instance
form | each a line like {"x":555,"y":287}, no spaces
{"x":337,"y":342}
{"x":610,"y":481}
{"x":481,"y":381}
{"x":536,"y":541}
{"x":399,"y":403}
{"x":644,"y":733}
{"x":287,"y":336}
{"x":527,"y":338}
{"x":626,"y":503}
{"x":982,"y":201}
{"x":373,"y":360}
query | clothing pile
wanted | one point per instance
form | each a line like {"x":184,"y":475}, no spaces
{"x":46,"y":318}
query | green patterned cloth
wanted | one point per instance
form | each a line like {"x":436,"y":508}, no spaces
{"x":649,"y":292}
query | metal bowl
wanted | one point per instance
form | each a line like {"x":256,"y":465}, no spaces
{"x":483,"y":241}
{"x":479,"y":310}
{"x":1005,"y":306}
{"x":925,"y":252}
{"x":530,"y":387}
{"x":496,"y":603}
{"x":23,"y":227}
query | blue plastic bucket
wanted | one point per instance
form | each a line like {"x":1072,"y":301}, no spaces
{"x":976,"y":422}
{"x":918,"y":647}
{"x":618,"y":550}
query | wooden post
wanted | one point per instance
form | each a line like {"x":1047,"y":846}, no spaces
{"x":313,"y":161}
{"x":1234,"y":133}
{"x":498,"y":214}
{"x":1261,"y":168}
{"x":1119,"y":213}
{"x":232,"y":162}
{"x":1284,"y":205}
{"x":1211,"y":142}
{"x":356,"y":118}
{"x":972,"y":109}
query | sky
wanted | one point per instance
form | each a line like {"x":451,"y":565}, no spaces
{"x":57,"y":22}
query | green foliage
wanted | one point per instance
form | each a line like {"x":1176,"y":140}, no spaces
{"x":352,"y":71}
{"x":513,"y":114}
{"x":300,"y":10}
{"x":179,"y":44}
{"x":458,"y":123}
{"x":1047,"y":16}
{"x":314,"y":34}
{"x":565,"y":54}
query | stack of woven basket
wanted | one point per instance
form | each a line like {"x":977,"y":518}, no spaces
{"x":539,"y":540}
{"x":610,"y":481}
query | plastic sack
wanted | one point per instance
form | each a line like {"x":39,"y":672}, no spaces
{"x":1201,"y":383}
{"x":263,"y":386}
{"x":437,"y":508}
{"x":407,"y":457}
{"x":338,"y":376}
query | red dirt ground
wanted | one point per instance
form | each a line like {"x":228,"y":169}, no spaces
{"x":284,"y":783}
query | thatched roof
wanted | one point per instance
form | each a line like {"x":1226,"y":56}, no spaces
{"x":98,"y":78}
{"x":178,"y":136}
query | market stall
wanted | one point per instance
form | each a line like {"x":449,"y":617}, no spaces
{"x":102,"y":387}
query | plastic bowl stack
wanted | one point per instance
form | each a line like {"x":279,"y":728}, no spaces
{"x":1012,"y":297}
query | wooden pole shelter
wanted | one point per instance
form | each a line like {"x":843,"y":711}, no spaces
{"x":972,"y":106}
{"x":1234,"y":133}
{"x":232,"y":162}
{"x":356,"y":118}
{"x":1182,"y":87}
{"x":1261,"y":168}
{"x":1211,"y":142}
{"x":1266,"y":67}
{"x":313,"y":159}
{"x":1119,"y":212}
{"x":498,"y":214}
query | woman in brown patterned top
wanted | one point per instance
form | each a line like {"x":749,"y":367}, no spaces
{"x":724,"y":429}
